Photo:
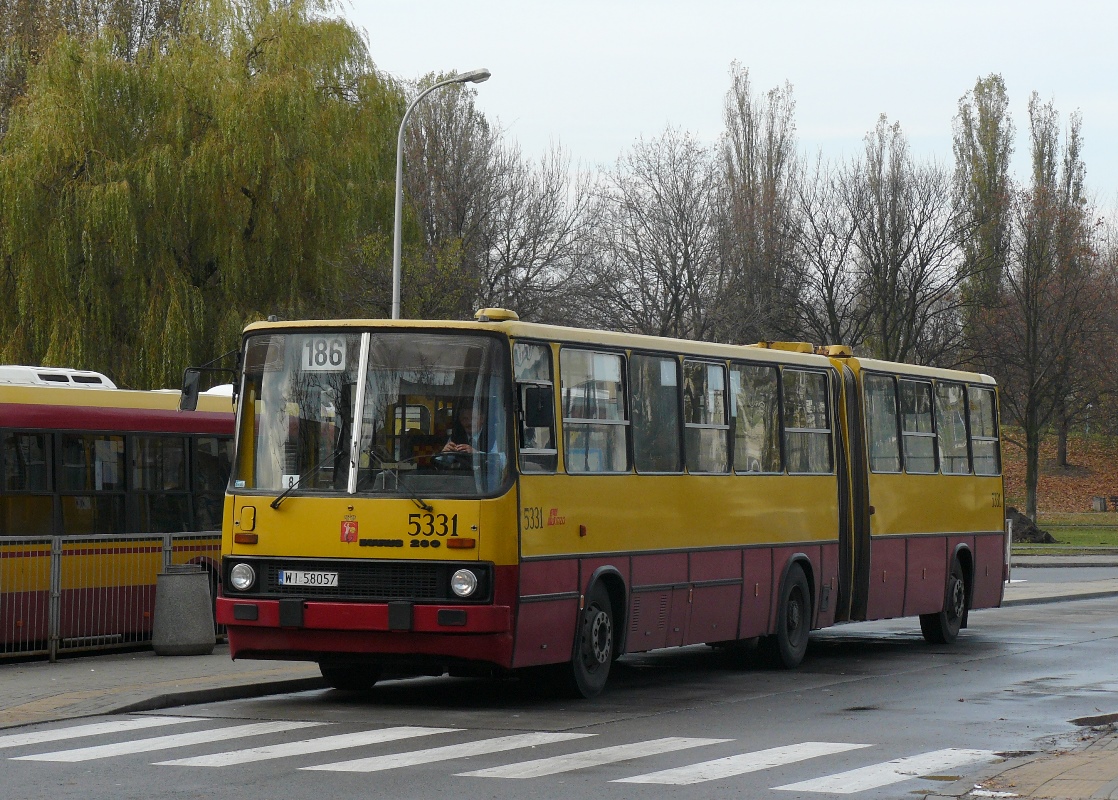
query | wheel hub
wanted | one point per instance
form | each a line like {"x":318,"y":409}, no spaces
{"x":601,"y":637}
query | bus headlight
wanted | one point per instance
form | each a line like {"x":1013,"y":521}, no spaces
{"x":242,"y":577}
{"x":463,"y":583}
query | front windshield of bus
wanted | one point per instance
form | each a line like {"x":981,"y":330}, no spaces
{"x":435,"y":415}
{"x":433,"y":422}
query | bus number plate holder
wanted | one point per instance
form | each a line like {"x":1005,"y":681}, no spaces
{"x":298,"y":577}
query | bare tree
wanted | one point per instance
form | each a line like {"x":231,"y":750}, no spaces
{"x":535,"y":236}
{"x":759,"y":276}
{"x":1038,"y":338}
{"x":908,"y":252}
{"x":656,"y":256}
{"x":830,"y":304}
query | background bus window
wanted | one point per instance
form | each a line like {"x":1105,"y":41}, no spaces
{"x":26,"y":507}
{"x":706,"y":430}
{"x":213,"y":458}
{"x":534,"y":385}
{"x":161,"y":493}
{"x":654,"y":396}
{"x":807,"y":431}
{"x":594,"y":421}
{"x":881,"y":424}
{"x":951,"y":427}
{"x":755,"y":405}
{"x":91,"y":478}
{"x":983,"y":431}
{"x":916,"y":427}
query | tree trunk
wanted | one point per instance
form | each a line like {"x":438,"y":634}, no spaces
{"x":1032,"y":466}
{"x":1062,"y":427}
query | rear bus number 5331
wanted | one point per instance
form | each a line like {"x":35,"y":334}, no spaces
{"x":432,"y":525}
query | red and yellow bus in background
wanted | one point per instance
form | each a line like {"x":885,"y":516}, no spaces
{"x":86,"y":468}
{"x":621,"y":493}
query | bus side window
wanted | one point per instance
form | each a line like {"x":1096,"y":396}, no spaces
{"x":535,"y":396}
{"x":983,"y":431}
{"x":594,"y":418}
{"x":755,"y":408}
{"x":916,"y":427}
{"x":951,"y":427}
{"x":881,"y":424}
{"x":654,"y":395}
{"x":807,"y":427}
{"x":26,"y":507}
{"x":706,"y":427}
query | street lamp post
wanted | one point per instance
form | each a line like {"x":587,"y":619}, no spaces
{"x":473,"y":76}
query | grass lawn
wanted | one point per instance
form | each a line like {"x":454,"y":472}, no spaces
{"x":1074,"y":531}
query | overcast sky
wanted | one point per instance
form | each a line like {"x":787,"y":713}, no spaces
{"x":597,"y":76}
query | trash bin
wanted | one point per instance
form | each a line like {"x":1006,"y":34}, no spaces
{"x":184,"y":618}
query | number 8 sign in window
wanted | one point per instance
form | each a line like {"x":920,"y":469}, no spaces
{"x":323,"y":354}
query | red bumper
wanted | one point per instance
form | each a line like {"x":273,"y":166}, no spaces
{"x":475,"y":633}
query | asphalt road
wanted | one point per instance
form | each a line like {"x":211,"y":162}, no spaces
{"x":874,"y":712}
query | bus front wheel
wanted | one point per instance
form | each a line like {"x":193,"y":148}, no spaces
{"x":793,"y":620}
{"x":594,"y":644}
{"x":943,"y":626}
{"x":349,"y":676}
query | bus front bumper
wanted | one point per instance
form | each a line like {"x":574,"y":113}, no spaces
{"x":311,"y":630}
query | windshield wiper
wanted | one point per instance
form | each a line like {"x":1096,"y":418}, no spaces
{"x":383,"y":468}
{"x":320,"y":464}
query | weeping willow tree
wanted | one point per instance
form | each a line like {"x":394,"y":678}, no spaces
{"x":151,"y":205}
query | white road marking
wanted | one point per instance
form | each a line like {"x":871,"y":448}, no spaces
{"x":464,"y":750}
{"x":591,"y":758}
{"x":321,"y":745}
{"x":889,"y":772}
{"x":167,"y":742}
{"x":741,"y":764}
{"x":92,"y":729}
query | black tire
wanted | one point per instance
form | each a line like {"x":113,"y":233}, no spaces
{"x":349,"y":676}
{"x":793,"y":619}
{"x":943,"y":627}
{"x":594,"y":645}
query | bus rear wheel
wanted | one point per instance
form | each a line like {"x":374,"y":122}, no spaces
{"x":594,"y":645}
{"x":793,"y":620}
{"x":349,"y":676}
{"x":943,"y":626}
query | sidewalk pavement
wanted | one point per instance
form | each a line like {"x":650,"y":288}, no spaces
{"x":37,"y":691}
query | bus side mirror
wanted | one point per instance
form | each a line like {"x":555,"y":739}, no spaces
{"x":188,"y":399}
{"x":538,"y":407}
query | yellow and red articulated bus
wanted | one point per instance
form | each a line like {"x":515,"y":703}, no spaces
{"x":88,"y":471}
{"x":441,"y":495}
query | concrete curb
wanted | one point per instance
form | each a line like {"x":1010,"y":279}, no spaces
{"x":217,"y":694}
{"x":964,"y":786}
{"x":1035,"y":601}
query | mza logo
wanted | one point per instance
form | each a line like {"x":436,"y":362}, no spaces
{"x":554,"y":519}
{"x":349,"y":530}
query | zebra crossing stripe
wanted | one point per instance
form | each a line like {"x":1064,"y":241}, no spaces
{"x":167,"y":742}
{"x":591,"y":758}
{"x":889,"y":772}
{"x":92,"y":729}
{"x":305,"y":747}
{"x":741,"y":764}
{"x":465,"y":750}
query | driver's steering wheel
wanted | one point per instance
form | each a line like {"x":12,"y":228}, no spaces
{"x":449,"y":460}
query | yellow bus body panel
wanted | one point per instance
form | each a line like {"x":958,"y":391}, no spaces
{"x":634,"y":513}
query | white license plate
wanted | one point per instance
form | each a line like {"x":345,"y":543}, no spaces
{"x":298,"y":577}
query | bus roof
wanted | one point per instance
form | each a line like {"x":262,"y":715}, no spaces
{"x":780,"y":352}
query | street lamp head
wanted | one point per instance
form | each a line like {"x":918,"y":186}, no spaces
{"x":474,"y":76}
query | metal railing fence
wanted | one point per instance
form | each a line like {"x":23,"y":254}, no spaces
{"x":70,"y":593}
